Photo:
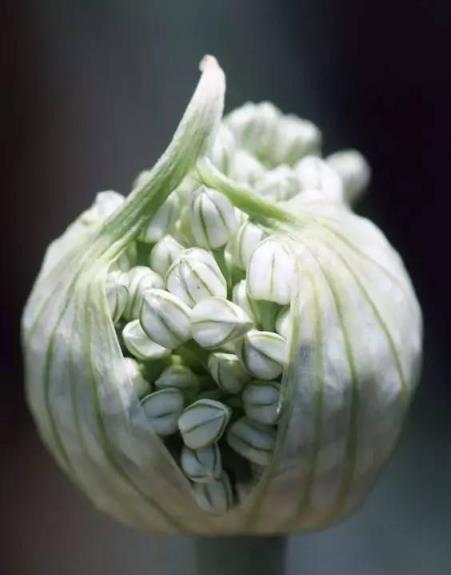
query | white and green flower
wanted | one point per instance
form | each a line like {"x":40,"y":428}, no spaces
{"x":165,"y":318}
{"x":164,"y":253}
{"x":194,"y":276}
{"x":216,"y":321}
{"x":229,"y":349}
{"x":213,"y":218}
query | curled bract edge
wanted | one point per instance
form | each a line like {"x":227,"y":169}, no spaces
{"x":349,"y":346}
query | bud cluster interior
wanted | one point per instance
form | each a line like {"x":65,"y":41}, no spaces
{"x":201,"y":301}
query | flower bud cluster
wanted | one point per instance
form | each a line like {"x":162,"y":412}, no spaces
{"x":203,"y":363}
{"x":279,"y":157}
{"x":203,"y":312}
{"x":231,"y":327}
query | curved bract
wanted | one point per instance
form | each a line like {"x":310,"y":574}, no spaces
{"x":289,"y":401}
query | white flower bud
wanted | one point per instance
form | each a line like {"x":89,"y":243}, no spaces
{"x":140,"y":345}
{"x":140,"y":279}
{"x":139,"y":384}
{"x":164,"y":253}
{"x":315,"y":174}
{"x":242,"y":299}
{"x":353,"y":170}
{"x":252,"y":440}
{"x":254,"y":127}
{"x":163,"y":220}
{"x":194,"y":276}
{"x":212,"y":217}
{"x":263,"y":353}
{"x":228,"y":371}
{"x":162,"y":409}
{"x":178,"y":376}
{"x":216,"y":321}
{"x":245,"y":168}
{"x":261,"y":401}
{"x":283,"y":322}
{"x":116,"y":288}
{"x":244,"y":242}
{"x":141,"y":179}
{"x":189,"y":183}
{"x":223,"y":148}
{"x":104,"y":205}
{"x":165,"y":318}
{"x":201,"y":465}
{"x":215,"y":496}
{"x":279,"y":184}
{"x":295,"y":138}
{"x":108,"y":202}
{"x":203,"y":422}
{"x":271,"y":274}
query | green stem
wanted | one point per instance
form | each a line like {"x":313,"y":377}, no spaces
{"x":220,"y":260}
{"x":241,"y":555}
{"x":193,"y":355}
{"x":241,"y":196}
{"x":267,"y":312}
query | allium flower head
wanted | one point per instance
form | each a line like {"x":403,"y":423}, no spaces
{"x":230,"y":348}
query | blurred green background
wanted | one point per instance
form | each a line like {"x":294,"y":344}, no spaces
{"x":91,"y":92}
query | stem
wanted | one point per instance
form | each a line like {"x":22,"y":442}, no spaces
{"x":193,"y":354}
{"x":241,"y":555}
{"x":242,"y":196}
{"x":266,"y":313}
{"x":220,"y":260}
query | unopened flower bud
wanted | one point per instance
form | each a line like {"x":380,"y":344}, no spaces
{"x":271,"y":272}
{"x":315,"y":174}
{"x":140,"y":279}
{"x":142,"y":179}
{"x":165,"y":318}
{"x":108,"y":202}
{"x":179,"y":377}
{"x":353,"y":170}
{"x":279,"y":184}
{"x":105,"y":204}
{"x":212,"y":218}
{"x":223,"y":148}
{"x":295,"y":138}
{"x":263,"y":353}
{"x":261,"y":401}
{"x":117,"y":293}
{"x":245,"y":168}
{"x":164,"y":253}
{"x":194,"y":276}
{"x":163,"y":221}
{"x":201,"y":465}
{"x":241,"y":298}
{"x":216,"y":496}
{"x":216,"y":321}
{"x":139,"y":384}
{"x":203,"y":422}
{"x":244,"y":242}
{"x":162,"y":409}
{"x":252,"y":440}
{"x":254,"y":127}
{"x":140,"y":345}
{"x":228,"y":371}
{"x":348,"y":374}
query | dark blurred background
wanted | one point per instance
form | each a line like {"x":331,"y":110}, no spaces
{"x":90,"y":94}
